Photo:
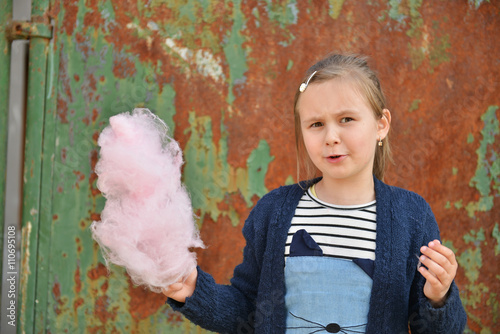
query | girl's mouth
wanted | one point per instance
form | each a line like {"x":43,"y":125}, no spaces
{"x":335,"y":158}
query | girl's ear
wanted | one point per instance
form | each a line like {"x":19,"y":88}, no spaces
{"x":384,"y":124}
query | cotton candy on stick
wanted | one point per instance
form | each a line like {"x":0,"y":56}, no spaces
{"x":147,"y":224}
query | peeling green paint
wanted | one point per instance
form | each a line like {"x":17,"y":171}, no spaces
{"x":394,"y":11}
{"x":493,"y":303}
{"x":401,"y":10}
{"x":165,"y":106}
{"x":496,"y":234}
{"x":470,"y":138}
{"x":471,"y":260}
{"x":188,"y":14}
{"x":208,"y":175}
{"x":475,"y":294}
{"x":205,"y":173}
{"x":438,"y":52}
{"x":416,"y":20}
{"x":417,"y":56}
{"x":284,"y":13}
{"x":335,"y":8}
{"x":255,"y":13}
{"x":414,"y":105}
{"x":234,"y":52}
{"x":257,"y":164}
{"x":289,"y":180}
{"x":454,"y":171}
{"x":477,"y":3}
{"x":449,"y":244}
{"x":475,"y":237}
{"x":426,"y":43}
{"x":486,"y":179}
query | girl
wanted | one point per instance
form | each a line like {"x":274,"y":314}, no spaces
{"x":341,"y":253}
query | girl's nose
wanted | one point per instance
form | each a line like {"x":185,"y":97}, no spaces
{"x":332,"y":137}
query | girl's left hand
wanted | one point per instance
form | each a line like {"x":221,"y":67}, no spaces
{"x":441,"y":270}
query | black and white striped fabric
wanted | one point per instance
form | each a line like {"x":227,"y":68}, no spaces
{"x":346,"y":232}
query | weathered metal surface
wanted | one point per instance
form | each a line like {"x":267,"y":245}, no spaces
{"x":223,"y":76}
{"x":34,"y":161}
{"x":26,"y":30}
{"x":5,"y":46}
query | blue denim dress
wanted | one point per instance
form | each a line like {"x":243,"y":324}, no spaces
{"x":326,"y":294}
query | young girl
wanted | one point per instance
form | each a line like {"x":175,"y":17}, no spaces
{"x":342,"y":253}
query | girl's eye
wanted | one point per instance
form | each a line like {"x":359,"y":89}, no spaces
{"x":316,"y":125}
{"x":346,"y":120}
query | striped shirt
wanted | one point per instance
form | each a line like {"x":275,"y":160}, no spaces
{"x":346,"y":232}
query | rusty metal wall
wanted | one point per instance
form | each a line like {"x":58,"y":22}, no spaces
{"x":223,"y":74}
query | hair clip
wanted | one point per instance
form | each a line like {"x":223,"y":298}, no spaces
{"x":304,"y":85}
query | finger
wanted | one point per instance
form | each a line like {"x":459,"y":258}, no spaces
{"x":435,"y":256}
{"x":435,"y":269}
{"x":172,"y":289}
{"x":441,"y":255}
{"x":443,"y":250}
{"x":430,"y":277}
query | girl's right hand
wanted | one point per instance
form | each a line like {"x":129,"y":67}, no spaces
{"x":181,"y":290}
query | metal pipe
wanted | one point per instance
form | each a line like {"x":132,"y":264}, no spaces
{"x":5,"y":16}
{"x":32,"y":173}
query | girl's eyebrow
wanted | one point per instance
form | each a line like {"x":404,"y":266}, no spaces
{"x":311,"y":119}
{"x":341,"y":113}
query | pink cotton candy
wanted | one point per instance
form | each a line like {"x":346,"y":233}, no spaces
{"x":147,"y":225}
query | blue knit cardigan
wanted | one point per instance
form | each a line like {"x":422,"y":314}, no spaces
{"x":254,"y":301}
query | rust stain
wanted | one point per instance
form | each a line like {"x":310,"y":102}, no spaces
{"x":225,"y":245}
{"x":95,"y":136}
{"x":94,"y":157}
{"x":79,"y":178}
{"x":83,"y":44}
{"x":70,"y":17}
{"x":105,"y":286}
{"x":91,"y":119}
{"x":99,"y":271}
{"x":79,"y":250}
{"x":95,"y":115}
{"x":62,"y":111}
{"x":123,"y":68}
{"x":143,"y":303}
{"x":78,"y":282}
{"x":56,"y":294}
{"x":63,"y":155}
{"x":93,"y":18}
{"x":77,"y":303}
{"x":104,"y":315}
{"x":95,"y":216}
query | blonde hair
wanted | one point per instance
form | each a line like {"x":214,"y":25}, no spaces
{"x":347,"y":67}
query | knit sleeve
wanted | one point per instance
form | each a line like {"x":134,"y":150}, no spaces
{"x":218,"y":308}
{"x":423,"y":317}
{"x":231,"y":308}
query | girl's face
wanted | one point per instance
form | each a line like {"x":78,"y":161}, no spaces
{"x":339,"y":130}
